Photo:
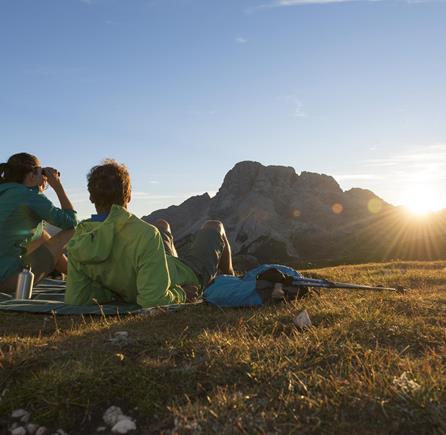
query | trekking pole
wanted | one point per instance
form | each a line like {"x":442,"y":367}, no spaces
{"x":324,"y":283}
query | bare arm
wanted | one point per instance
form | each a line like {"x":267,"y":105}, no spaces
{"x":53,"y":179}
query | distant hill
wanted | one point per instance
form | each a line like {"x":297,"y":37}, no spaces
{"x":273,"y":214}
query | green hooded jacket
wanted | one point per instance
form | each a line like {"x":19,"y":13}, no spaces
{"x":123,"y":259}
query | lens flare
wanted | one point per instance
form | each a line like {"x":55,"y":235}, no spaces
{"x":375,"y":205}
{"x":296,"y":213}
{"x":337,"y":208}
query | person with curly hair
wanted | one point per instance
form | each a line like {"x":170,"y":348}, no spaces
{"x":23,"y":210}
{"x":115,"y":256}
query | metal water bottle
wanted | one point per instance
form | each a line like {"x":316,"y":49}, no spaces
{"x":25,"y":284}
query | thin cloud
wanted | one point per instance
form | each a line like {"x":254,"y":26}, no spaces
{"x":240,"y":40}
{"x":299,"y":111}
{"x":288,"y":3}
{"x":282,"y":3}
{"x":297,"y":106}
{"x":427,"y":154}
{"x":152,"y":197}
{"x":426,"y":163}
{"x":349,"y":177}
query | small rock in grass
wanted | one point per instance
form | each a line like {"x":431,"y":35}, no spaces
{"x":405,"y":384}
{"x":111,"y":415}
{"x":101,"y":429}
{"x":42,"y":430}
{"x":19,"y":431}
{"x":124,"y":426}
{"x":302,"y":320}
{"x":25,"y":418}
{"x":20,"y":413}
{"x":61,"y":432}
{"x":121,"y":338}
{"x":31,"y":428}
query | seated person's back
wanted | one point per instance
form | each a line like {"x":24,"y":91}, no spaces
{"x":23,"y":211}
{"x":115,"y":256}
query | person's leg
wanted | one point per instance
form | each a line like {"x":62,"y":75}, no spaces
{"x":38,"y":242}
{"x":209,"y":253}
{"x":225,"y":264}
{"x":56,"y":245}
{"x":49,"y":255}
{"x":9,"y":285}
{"x":43,"y":255}
{"x":166,"y":234}
{"x":61,"y":237}
{"x":37,"y":257}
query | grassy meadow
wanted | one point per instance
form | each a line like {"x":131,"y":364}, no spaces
{"x":374,"y":362}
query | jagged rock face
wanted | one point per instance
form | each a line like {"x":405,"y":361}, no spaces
{"x":185,"y":218}
{"x":272,"y":214}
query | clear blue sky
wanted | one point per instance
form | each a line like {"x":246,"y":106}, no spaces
{"x":181,"y":90}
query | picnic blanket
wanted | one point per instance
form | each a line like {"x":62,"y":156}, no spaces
{"x":48,"y":297}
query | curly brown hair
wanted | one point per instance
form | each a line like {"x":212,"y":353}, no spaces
{"x":109,"y":184}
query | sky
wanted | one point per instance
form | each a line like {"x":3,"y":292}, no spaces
{"x":182,"y":90}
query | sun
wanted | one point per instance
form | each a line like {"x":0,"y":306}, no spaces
{"x":421,"y":200}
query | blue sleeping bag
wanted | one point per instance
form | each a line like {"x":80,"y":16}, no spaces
{"x":231,"y":291}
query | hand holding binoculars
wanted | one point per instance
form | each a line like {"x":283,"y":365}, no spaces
{"x":46,"y":171}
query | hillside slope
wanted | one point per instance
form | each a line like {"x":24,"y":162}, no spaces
{"x":374,"y":362}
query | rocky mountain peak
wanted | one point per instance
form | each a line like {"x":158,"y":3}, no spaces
{"x":272,"y":214}
{"x":241,"y":178}
{"x":318,"y":182}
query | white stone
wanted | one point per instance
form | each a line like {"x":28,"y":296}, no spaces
{"x":19,"y":431}
{"x":111,"y":415}
{"x":25,"y":418}
{"x":19,"y":413}
{"x":302,"y":320}
{"x":61,"y":432}
{"x":405,"y":384}
{"x":101,"y":429}
{"x":123,"y":426}
{"x":31,"y":428}
{"x":41,"y":431}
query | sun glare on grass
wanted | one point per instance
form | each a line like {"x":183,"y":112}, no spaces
{"x":421,"y":201}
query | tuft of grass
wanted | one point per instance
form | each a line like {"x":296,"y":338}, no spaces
{"x":374,"y":362}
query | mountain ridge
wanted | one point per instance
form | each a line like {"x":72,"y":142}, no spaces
{"x":273,"y":214}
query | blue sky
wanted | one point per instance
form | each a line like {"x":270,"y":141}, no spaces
{"x":181,"y":90}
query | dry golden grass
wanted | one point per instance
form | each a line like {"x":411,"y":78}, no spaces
{"x":374,"y":362}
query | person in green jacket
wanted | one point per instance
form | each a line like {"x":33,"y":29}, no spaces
{"x":23,"y":210}
{"x":116,"y":257}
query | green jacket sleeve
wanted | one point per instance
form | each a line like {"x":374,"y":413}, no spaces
{"x":45,"y":209}
{"x":152,"y":273}
{"x":81,"y":290}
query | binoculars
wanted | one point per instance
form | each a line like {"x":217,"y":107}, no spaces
{"x":44,"y":173}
